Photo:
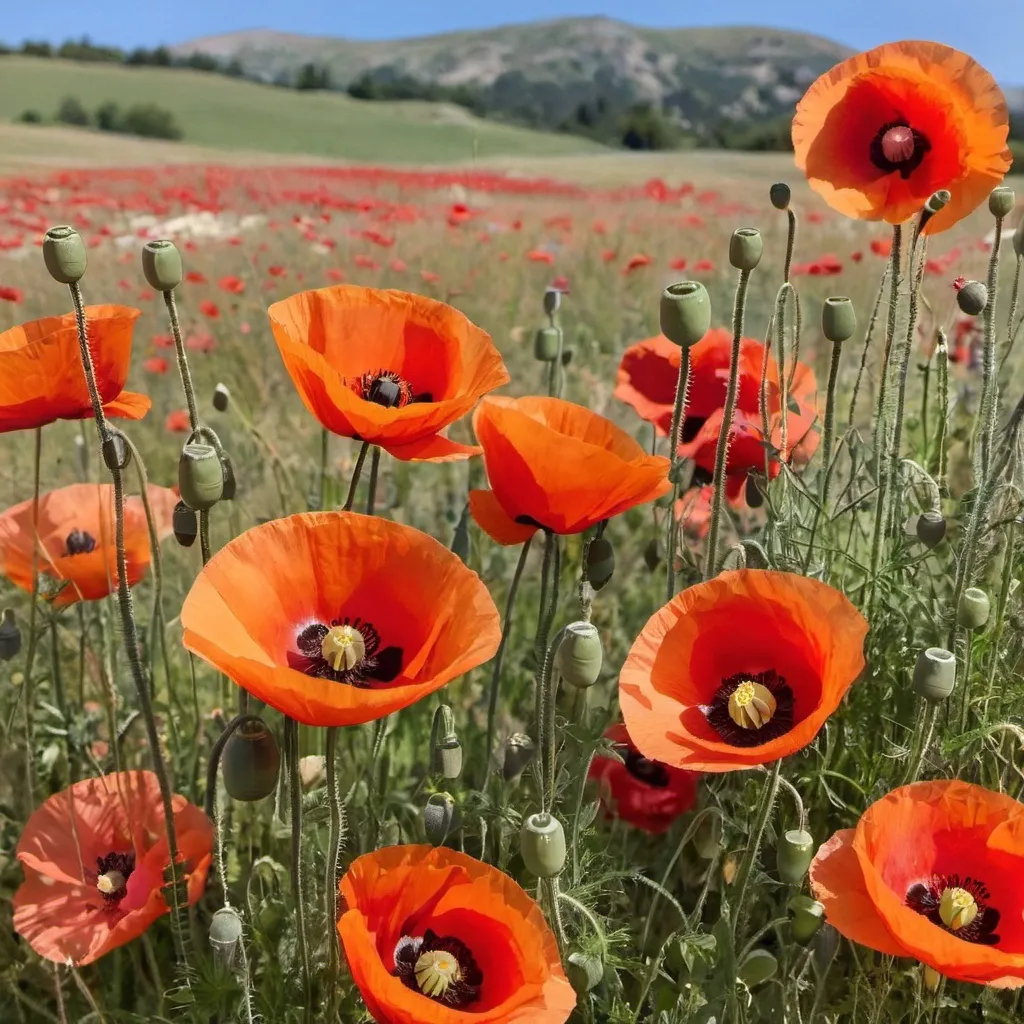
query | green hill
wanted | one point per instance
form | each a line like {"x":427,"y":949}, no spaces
{"x":228,"y":113}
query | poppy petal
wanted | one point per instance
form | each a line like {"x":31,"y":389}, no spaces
{"x":435,"y":448}
{"x":488,"y":514}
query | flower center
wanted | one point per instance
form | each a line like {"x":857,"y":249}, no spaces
{"x":384,"y":387}
{"x":346,"y":651}
{"x":958,"y":905}
{"x":898,"y":147}
{"x":435,"y":972}
{"x":898,"y":144}
{"x":651,"y":772}
{"x":343,"y":648}
{"x":440,"y":967}
{"x":751,"y":705}
{"x":80,"y":543}
{"x":112,"y":874}
{"x":957,"y":908}
{"x":749,"y":709}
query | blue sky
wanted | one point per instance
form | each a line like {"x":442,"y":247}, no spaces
{"x":990,"y":30}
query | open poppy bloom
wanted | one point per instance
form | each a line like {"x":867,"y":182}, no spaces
{"x":433,"y":935}
{"x":932,"y":871}
{"x":94,"y":858}
{"x":883,"y":130}
{"x":336,"y":618}
{"x":647,"y":794}
{"x":41,"y":376}
{"x":386,"y":367}
{"x":557,"y":466}
{"x":76,"y":540}
{"x":741,"y":670}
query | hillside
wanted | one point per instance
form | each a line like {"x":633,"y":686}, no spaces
{"x":227,"y":113}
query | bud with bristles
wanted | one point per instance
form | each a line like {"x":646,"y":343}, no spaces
{"x":519,"y":750}
{"x":184,"y":524}
{"x":225,"y":936}
{"x":972,"y":298}
{"x":438,"y":816}
{"x":600,"y":562}
{"x":250,"y":762}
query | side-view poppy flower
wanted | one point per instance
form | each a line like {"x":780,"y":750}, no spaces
{"x":697,"y":692}
{"x":883,"y":130}
{"x":41,"y":378}
{"x":387,"y":367}
{"x":76,"y":540}
{"x":94,"y":857}
{"x":177,"y":422}
{"x":647,"y":794}
{"x":336,"y":618}
{"x":557,"y":466}
{"x":431,"y":934}
{"x":932,"y":871}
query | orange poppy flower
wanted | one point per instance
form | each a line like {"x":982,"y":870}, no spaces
{"x":41,"y":378}
{"x":94,"y":857}
{"x":932,"y":871}
{"x":336,"y":618}
{"x":76,"y":540}
{"x":557,"y":466}
{"x":698,"y":692}
{"x":882,"y":131}
{"x":433,"y":935}
{"x":386,"y":367}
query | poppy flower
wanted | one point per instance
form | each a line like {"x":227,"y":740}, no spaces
{"x":698,"y":692}
{"x":647,"y":377}
{"x":210,"y":309}
{"x":177,"y":422}
{"x":232,"y":284}
{"x":156,"y":364}
{"x":557,"y":466}
{"x":195,"y":277}
{"x":10,"y":294}
{"x":637,"y":262}
{"x":94,"y":857}
{"x":386,"y":367}
{"x":336,"y":618}
{"x":647,"y":794}
{"x":883,"y":130}
{"x":932,"y":871}
{"x":432,"y":934}
{"x":76,"y":539}
{"x":41,"y":378}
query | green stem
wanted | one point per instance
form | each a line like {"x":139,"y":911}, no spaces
{"x":371,"y":496}
{"x":549,"y":595}
{"x":942,"y":386}
{"x":1002,"y":603}
{"x":33,"y":638}
{"x":790,"y":243}
{"x":360,"y":459}
{"x":922,"y":740}
{"x":291,"y":728}
{"x":868,"y":335}
{"x":179,"y":351}
{"x":678,"y":416}
{"x":771,"y":788}
{"x":988,"y":409}
{"x":325,"y":436}
{"x":334,"y":848}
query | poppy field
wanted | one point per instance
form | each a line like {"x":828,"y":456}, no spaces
{"x":452,"y":595}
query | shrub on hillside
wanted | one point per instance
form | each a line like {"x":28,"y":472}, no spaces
{"x":150,"y":121}
{"x":30,"y":117}
{"x":71,"y":111}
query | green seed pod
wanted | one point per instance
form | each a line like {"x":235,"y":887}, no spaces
{"x":161,"y":263}
{"x":446,"y":757}
{"x":780,"y":195}
{"x":972,"y":298}
{"x":184,"y":524}
{"x":250,"y":762}
{"x":64,"y":254}
{"x":600,"y":562}
{"x":974,"y":609}
{"x":1001,"y":201}
{"x":542,"y":844}
{"x":838,"y":319}
{"x":652,"y":554}
{"x":1018,"y":239}
{"x":758,"y":966}
{"x":585,"y":972}
{"x":230,"y":484}
{"x":745,"y":248}
{"x":935,"y":674}
{"x":225,"y":936}
{"x":753,"y":491}
{"x":793,"y":855}
{"x":438,"y":815}
{"x":707,"y":840}
{"x":10,"y":636}
{"x":519,"y":750}
{"x":685,"y":313}
{"x":449,"y":758}
{"x":931,"y":528}
{"x":552,"y":300}
{"x":221,"y":398}
{"x":200,"y":476}
{"x":116,"y":453}
{"x":545,"y":344}
{"x":806,"y":916}
{"x":579,"y":656}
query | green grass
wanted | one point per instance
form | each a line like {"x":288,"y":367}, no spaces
{"x":227,"y":113}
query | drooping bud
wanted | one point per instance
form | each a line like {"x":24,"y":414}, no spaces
{"x":10,"y":636}
{"x":780,"y":194}
{"x":161,"y":263}
{"x":974,"y":608}
{"x":753,"y":492}
{"x":542,"y":845}
{"x":184,"y":524}
{"x":937,"y":201}
{"x":552,"y":300}
{"x":200,"y":476}
{"x":585,"y":972}
{"x":446,"y":757}
{"x":806,"y":916}
{"x":230,"y":484}
{"x":1001,"y":202}
{"x":600,"y":562}
{"x":221,"y":398}
{"x":438,"y":815}
{"x":793,"y":855}
{"x":545,"y":344}
{"x":226,"y":936}
{"x":579,"y":656}
{"x":935,"y":674}
{"x":116,"y":453}
{"x":838,"y":319}
{"x":519,"y":750}
{"x":826,"y":944}
{"x":745,"y":248}
{"x":685,"y":313}
{"x":972,"y":298}
{"x":758,"y":966}
{"x":652,"y":554}
{"x":931,"y":528}
{"x":250,"y":762}
{"x":64,"y":254}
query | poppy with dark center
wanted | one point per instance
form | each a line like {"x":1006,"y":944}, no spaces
{"x":647,"y":794}
{"x":387,"y":367}
{"x":932,"y":871}
{"x":41,"y":378}
{"x":336,"y":618}
{"x":94,"y":858}
{"x":741,"y":670}
{"x":883,"y":130}
{"x":557,"y":466}
{"x":76,"y":540}
{"x":431,"y":934}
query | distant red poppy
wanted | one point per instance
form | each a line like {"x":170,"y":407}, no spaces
{"x":678,"y":264}
{"x":637,"y":262}
{"x":163,"y":341}
{"x":178,"y":422}
{"x":366,"y":262}
{"x":194,"y":277}
{"x":9,"y":294}
{"x":275,"y":270}
{"x":824,"y":266}
{"x":231,"y":284}
{"x":703,"y":265}
{"x":156,"y":364}
{"x":209,"y":309}
{"x":200,"y":342}
{"x":540,"y":256}
{"x":398,"y":266}
{"x":881,"y":246}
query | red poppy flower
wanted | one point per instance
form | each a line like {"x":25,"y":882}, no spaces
{"x":647,"y":794}
{"x":557,"y":466}
{"x":94,"y":858}
{"x":366,"y":262}
{"x":231,"y":284}
{"x":540,"y":256}
{"x":209,"y":309}
{"x":647,"y":377}
{"x":388,"y":367}
{"x":9,"y":294}
{"x":883,"y":130}
{"x":697,"y":692}
{"x":156,"y":364}
{"x":195,"y":277}
{"x":705,"y":265}
{"x":336,"y":618}
{"x":177,"y":422}
{"x":637,"y":262}
{"x":431,"y":934}
{"x":275,"y":270}
{"x":41,"y":378}
{"x":76,"y":539}
{"x":932,"y":871}
{"x":163,"y":341}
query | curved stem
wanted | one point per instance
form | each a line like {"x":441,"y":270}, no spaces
{"x":360,"y":459}
{"x":179,"y":351}
{"x":868,"y":335}
{"x":988,"y":409}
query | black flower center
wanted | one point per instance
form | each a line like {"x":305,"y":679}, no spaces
{"x":80,"y":543}
{"x":749,"y":709}
{"x":957,"y":905}
{"x":439,"y":967}
{"x":652,"y":772}
{"x":387,"y":388}
{"x":898,"y":147}
{"x":346,"y":651}
{"x":112,"y":874}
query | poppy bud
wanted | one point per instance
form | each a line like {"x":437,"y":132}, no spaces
{"x":838,"y":319}
{"x":793,"y":855}
{"x":200,"y":476}
{"x":225,"y":935}
{"x":780,"y":195}
{"x":585,"y":972}
{"x":221,"y":398}
{"x":685,"y":313}
{"x":10,"y":636}
{"x":437,"y":817}
{"x":161,"y":263}
{"x":542,"y":844}
{"x":652,"y":554}
{"x":972,"y":298}
{"x":753,"y":492}
{"x":566,"y":355}
{"x":1018,"y":239}
{"x":600,"y":562}
{"x":974,"y":608}
{"x":545,"y":344}
{"x":745,"y":248}
{"x":184,"y":524}
{"x":446,"y":757}
{"x":229,"y":484}
{"x":931,"y":528}
{"x":552,"y":300}
{"x":707,"y":840}
{"x":250,"y":762}
{"x":519,"y":750}
{"x":931,"y":977}
{"x":1001,"y":201}
{"x":937,"y":201}
{"x":460,"y":540}
{"x":935,"y":674}
{"x":758,"y":966}
{"x":116,"y":453}
{"x":64,"y":254}
{"x":579,"y":656}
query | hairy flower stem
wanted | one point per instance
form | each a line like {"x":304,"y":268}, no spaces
{"x":779,"y":323}
{"x":291,"y":732}
{"x":942,"y":418}
{"x":678,"y":415}
{"x":764,"y":811}
{"x":790,"y":242}
{"x":722,"y":451}
{"x":1002,"y":603}
{"x":868,"y":335}
{"x":922,"y":741}
{"x":356,"y":472}
{"x":550,"y":569}
{"x":335,"y":845}
{"x":179,"y":351}
{"x":988,"y":408}
{"x":33,"y":633}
